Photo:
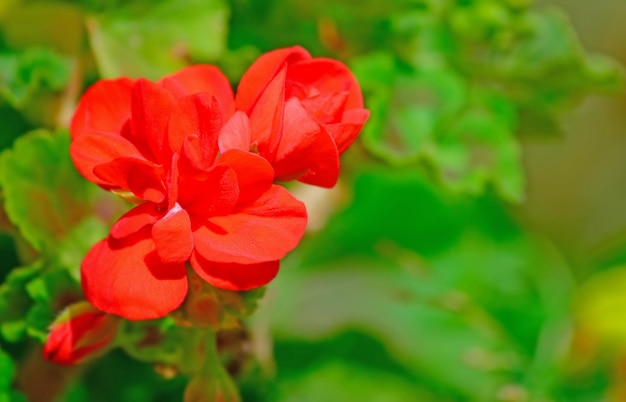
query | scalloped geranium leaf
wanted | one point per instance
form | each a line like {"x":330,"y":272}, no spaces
{"x":44,"y":196}
{"x":480,"y":148}
{"x":25,"y":73}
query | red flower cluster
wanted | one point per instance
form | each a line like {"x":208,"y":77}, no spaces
{"x":200,"y":164}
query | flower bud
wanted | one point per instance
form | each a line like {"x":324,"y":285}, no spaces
{"x":80,"y":331}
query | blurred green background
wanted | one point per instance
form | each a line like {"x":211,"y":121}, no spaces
{"x":474,"y":249}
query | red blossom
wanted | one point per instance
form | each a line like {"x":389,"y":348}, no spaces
{"x":298,"y":112}
{"x":79,"y":332}
{"x":157,"y":143}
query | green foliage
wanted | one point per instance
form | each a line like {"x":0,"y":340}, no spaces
{"x":464,"y":80}
{"x":425,"y":284}
{"x":24,"y":74}
{"x":144,"y":39}
{"x":7,"y":368}
{"x":15,"y":302}
{"x":461,"y":299}
{"x":39,"y":168}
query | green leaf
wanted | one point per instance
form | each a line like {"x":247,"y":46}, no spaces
{"x":39,"y":168}
{"x":7,"y":369}
{"x":24,"y":74}
{"x":73,"y":248}
{"x":147,"y":39}
{"x":340,"y":382}
{"x":479,"y":147}
{"x":51,"y":291}
{"x":549,"y":68}
{"x":15,"y":301}
{"x":389,"y":205}
{"x":445,"y":286}
{"x":410,"y":106}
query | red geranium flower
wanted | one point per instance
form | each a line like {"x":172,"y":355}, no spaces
{"x":157,"y":143}
{"x":299,"y":113}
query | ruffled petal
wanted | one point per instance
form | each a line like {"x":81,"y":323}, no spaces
{"x":215,"y":194}
{"x":258,"y":76}
{"x":172,"y":236}
{"x":266,"y":118}
{"x":236,"y":277}
{"x":236,"y":133}
{"x":306,"y":149}
{"x":202,"y":78}
{"x":265,"y":230}
{"x":139,"y":176}
{"x":133,"y":221}
{"x":104,"y":108}
{"x":126,"y":278}
{"x":254,"y":174}
{"x":151,"y":107}
{"x":327,"y":107}
{"x":327,"y":75}
{"x":199,"y":115}
{"x":90,"y":150}
{"x":348,"y":130}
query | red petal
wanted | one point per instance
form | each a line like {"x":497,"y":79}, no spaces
{"x":236,"y":133}
{"x":236,"y":277}
{"x":104,"y":108}
{"x":327,"y":75}
{"x":139,"y":176}
{"x":126,"y":278}
{"x":199,"y":115}
{"x":90,"y":150}
{"x":254,"y":174}
{"x":263,"y":231}
{"x":348,"y":130}
{"x":134,"y":220}
{"x":202,"y":78}
{"x":267,"y":116}
{"x":216,"y":194}
{"x":326,"y":107}
{"x":262,"y":71}
{"x":151,"y":108}
{"x":306,"y":148}
{"x":192,"y":162}
{"x":81,"y":336}
{"x":172,"y":236}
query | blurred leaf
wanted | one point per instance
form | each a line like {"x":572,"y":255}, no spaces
{"x":8,"y":371}
{"x":39,"y":168}
{"x":24,"y":74}
{"x":480,"y":148}
{"x":427,"y":115}
{"x":15,"y":302}
{"x":549,"y":69}
{"x":340,"y":382}
{"x":147,"y":39}
{"x":389,"y":205}
{"x":13,"y":125}
{"x":75,"y":245}
{"x":464,"y":301}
